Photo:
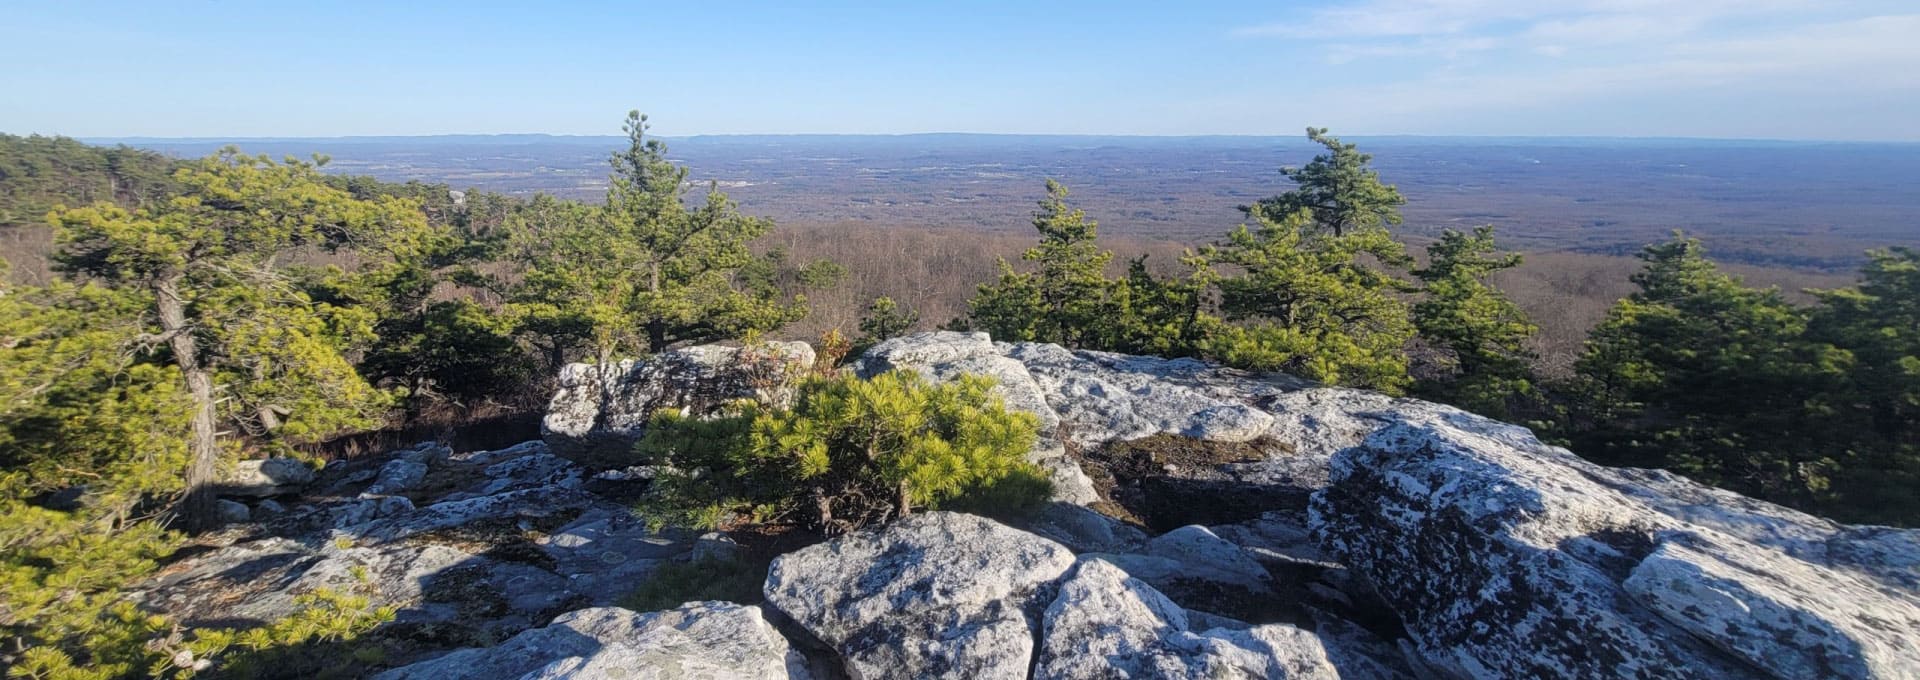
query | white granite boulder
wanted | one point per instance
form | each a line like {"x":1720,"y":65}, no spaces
{"x":933,"y":595}
{"x":601,"y":410}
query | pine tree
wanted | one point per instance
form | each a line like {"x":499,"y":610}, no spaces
{"x":1068,"y":298}
{"x":885,"y":319}
{"x":1166,"y":316}
{"x":647,"y":271}
{"x":255,"y":353}
{"x":849,"y":453}
{"x":1343,"y":193}
{"x":1875,"y":416}
{"x":1308,"y":306}
{"x":1698,"y":373}
{"x":1487,"y":364}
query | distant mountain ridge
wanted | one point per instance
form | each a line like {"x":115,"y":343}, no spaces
{"x":1286,"y":140}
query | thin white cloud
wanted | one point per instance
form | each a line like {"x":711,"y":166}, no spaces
{"x":1437,"y":47}
{"x":1370,"y":19}
{"x":1874,"y":54}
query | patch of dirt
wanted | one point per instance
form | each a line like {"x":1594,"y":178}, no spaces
{"x":1167,"y":481}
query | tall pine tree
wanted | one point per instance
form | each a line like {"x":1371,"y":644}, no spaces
{"x":1486,"y":366}
{"x":647,"y":271}
{"x":1067,"y":298}
{"x":1698,"y":373}
{"x":256,"y":354}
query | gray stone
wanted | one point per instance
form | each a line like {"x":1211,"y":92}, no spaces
{"x":600,"y":411}
{"x":535,"y":502}
{"x":267,"y":477}
{"x":529,"y":472}
{"x":1276,"y":536}
{"x":1102,"y":397}
{"x":697,"y":640}
{"x":231,"y":512}
{"x":605,"y":552}
{"x":1198,"y":570}
{"x":484,"y":458}
{"x":268,"y":508}
{"x":1760,"y":607}
{"x":399,"y":475}
{"x":934,"y":595}
{"x":1083,"y":529}
{"x":1106,"y":624}
{"x":1506,"y":557}
{"x":921,"y":351}
{"x":427,"y":453}
{"x":354,"y":514}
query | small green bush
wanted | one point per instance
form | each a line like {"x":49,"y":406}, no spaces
{"x":849,"y":453}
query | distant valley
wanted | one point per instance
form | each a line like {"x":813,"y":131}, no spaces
{"x":1802,"y":205}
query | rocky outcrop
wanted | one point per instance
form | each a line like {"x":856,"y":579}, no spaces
{"x":1505,"y":557}
{"x":1327,"y":533}
{"x":600,"y":410}
{"x":483,"y":545}
{"x":934,"y":595}
{"x":699,"y":640}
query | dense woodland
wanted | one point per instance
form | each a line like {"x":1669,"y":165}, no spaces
{"x":233,"y":306}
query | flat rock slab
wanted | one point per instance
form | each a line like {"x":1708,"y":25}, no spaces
{"x":700,"y":640}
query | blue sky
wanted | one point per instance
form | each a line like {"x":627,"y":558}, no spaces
{"x":1783,"y":69}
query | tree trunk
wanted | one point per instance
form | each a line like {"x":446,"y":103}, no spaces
{"x":656,"y":337}
{"x":906,"y":502}
{"x":823,"y":510}
{"x":196,"y":510}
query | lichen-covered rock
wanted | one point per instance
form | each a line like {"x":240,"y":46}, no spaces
{"x":1505,"y":557}
{"x":698,"y":640}
{"x":530,"y":472}
{"x":266,"y":477}
{"x":934,"y":595}
{"x":1199,"y":569}
{"x":601,"y":410}
{"x":1102,"y":397}
{"x":923,"y":351}
{"x":1106,"y":624}
{"x":945,"y":355}
{"x":398,"y":476}
{"x":606,"y":551}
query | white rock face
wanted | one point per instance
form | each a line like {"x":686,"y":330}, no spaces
{"x":698,"y":640}
{"x":1106,"y":624}
{"x":397,"y":476}
{"x":1103,"y":396}
{"x":268,"y":477}
{"x":1193,"y":558}
{"x":1505,"y":557}
{"x":601,"y":410}
{"x":934,"y":595}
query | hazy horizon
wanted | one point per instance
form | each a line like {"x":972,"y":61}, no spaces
{"x":1842,"y":70}
{"x":584,"y":138}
